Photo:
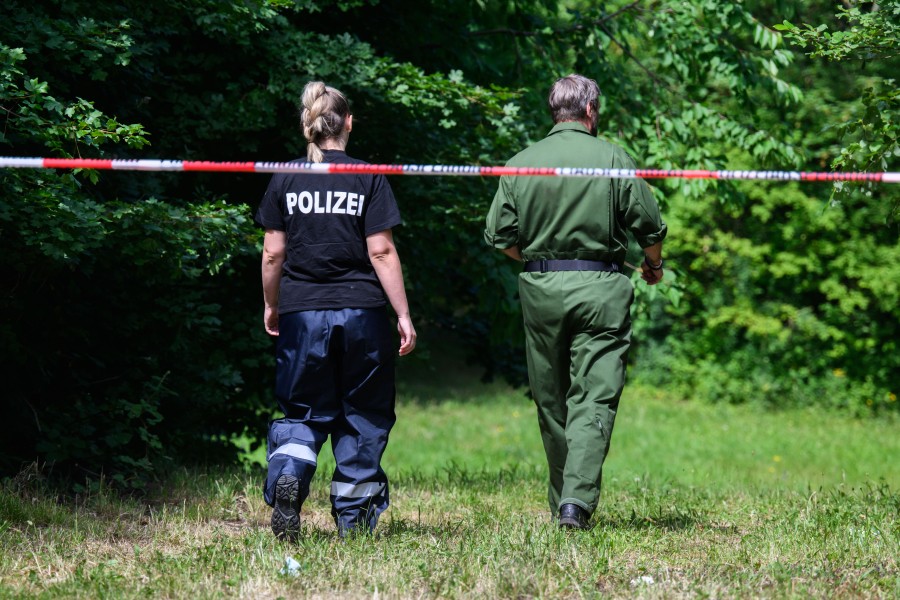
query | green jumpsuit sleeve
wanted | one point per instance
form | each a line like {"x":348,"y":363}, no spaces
{"x":639,"y":209}
{"x":502,"y":222}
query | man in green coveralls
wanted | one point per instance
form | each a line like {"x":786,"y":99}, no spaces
{"x":571,"y":234}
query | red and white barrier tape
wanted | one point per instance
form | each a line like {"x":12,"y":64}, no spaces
{"x":472,"y":170}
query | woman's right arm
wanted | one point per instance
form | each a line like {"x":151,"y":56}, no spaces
{"x":273,"y":256}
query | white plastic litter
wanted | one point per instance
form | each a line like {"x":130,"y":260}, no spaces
{"x":291,"y":567}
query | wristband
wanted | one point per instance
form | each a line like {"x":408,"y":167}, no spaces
{"x":657,"y":267}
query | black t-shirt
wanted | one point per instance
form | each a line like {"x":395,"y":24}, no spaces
{"x":326,"y":219}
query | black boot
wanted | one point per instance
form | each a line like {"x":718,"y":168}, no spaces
{"x":286,"y":512}
{"x":572,"y":516}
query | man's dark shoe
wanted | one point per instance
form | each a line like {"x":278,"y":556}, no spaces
{"x":286,"y":512}
{"x":572,"y":516}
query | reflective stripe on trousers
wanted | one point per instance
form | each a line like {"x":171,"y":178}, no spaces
{"x":298,"y":451}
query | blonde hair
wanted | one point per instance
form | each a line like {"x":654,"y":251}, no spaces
{"x":322,"y":117}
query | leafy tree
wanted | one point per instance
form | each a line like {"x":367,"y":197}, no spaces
{"x":790,"y":297}
{"x":870,"y":35}
{"x":143,"y":291}
{"x":113,"y":335}
{"x":661,"y":100}
{"x":130,"y":304}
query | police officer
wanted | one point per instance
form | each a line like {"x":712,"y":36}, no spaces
{"x":328,"y":263}
{"x":571,"y":235}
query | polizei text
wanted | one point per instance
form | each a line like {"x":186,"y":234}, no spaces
{"x":338,"y":203}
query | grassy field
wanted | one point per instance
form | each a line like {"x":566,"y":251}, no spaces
{"x":698,"y":501}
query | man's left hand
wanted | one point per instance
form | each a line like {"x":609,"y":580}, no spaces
{"x":651,"y":276}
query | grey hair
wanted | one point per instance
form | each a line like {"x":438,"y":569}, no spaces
{"x":323,"y":115}
{"x":570,"y":95}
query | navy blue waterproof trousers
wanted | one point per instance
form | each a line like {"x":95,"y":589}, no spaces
{"x":335,"y":376}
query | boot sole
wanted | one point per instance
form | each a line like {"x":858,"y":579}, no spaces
{"x":285,"y":516}
{"x":572,"y":524}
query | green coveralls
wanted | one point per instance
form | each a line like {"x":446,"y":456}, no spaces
{"x":577,"y":323}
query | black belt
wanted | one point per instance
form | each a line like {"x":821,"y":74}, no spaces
{"x":543,"y":266}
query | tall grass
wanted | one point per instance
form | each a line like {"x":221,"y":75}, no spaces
{"x":698,"y":501}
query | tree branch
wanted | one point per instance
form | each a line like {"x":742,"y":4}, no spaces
{"x":520,"y":33}
{"x":629,"y":54}
{"x":596,"y":22}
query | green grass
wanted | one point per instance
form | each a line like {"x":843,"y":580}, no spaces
{"x":698,"y":501}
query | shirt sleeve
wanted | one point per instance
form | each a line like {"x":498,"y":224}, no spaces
{"x":382,"y":212}
{"x":502,"y":222}
{"x":269,"y":214}
{"x":639,"y":209}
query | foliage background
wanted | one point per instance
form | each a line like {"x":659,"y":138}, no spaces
{"x":130,"y":329}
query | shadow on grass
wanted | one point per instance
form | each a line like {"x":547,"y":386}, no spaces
{"x":316,"y":534}
{"x":484,"y":480}
{"x":412,"y":529}
{"x":664,"y":520}
{"x":407,"y":527}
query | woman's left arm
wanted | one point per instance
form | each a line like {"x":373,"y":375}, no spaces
{"x":386,"y":262}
